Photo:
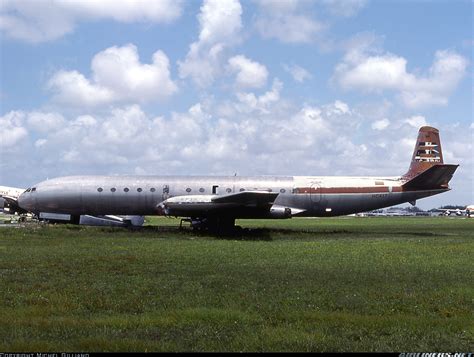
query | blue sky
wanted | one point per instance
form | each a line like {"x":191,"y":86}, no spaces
{"x":328,"y":87}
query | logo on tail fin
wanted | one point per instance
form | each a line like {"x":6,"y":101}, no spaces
{"x":427,"y":152}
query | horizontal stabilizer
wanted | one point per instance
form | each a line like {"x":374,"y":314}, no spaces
{"x":437,"y":176}
{"x":245,"y":198}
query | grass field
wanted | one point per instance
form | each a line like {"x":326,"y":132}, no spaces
{"x":342,"y":284}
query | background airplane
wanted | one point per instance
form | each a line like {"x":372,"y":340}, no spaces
{"x":214,"y":202}
{"x":9,"y":199}
{"x":468,"y":211}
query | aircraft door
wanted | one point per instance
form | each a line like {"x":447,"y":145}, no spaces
{"x":166,"y":192}
{"x":315,"y":192}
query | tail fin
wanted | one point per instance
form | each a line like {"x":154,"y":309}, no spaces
{"x":427,"y":152}
{"x":427,"y":169}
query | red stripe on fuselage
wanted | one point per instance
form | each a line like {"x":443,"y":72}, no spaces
{"x":342,"y":190}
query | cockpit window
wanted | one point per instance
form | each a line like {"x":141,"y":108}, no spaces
{"x":28,"y":189}
{"x":33,"y":189}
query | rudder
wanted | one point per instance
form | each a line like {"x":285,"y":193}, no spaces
{"x":427,"y":152}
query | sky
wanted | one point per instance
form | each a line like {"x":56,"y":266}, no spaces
{"x":218,"y":87}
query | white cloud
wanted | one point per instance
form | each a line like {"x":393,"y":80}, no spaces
{"x":220,"y":25}
{"x":12,"y":129}
{"x":338,"y":107}
{"x":381,"y":124}
{"x":219,"y":20}
{"x":119,"y":68}
{"x":196,"y":141}
{"x":416,"y":121}
{"x":298,"y":73}
{"x":85,"y":121}
{"x":288,"y":21}
{"x":345,"y":8}
{"x":38,"y":21}
{"x":117,"y":76}
{"x":366,"y":68}
{"x":249,"y":102}
{"x":40,"y":142}
{"x":71,"y":87}
{"x":44,"y":122}
{"x":250,"y":74}
{"x":444,"y":75}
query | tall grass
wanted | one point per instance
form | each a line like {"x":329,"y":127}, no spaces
{"x":344,"y":284}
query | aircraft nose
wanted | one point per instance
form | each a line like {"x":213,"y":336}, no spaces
{"x":26,"y":202}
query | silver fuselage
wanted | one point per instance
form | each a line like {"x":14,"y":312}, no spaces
{"x":140,"y":195}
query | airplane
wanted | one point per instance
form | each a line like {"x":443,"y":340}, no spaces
{"x":468,"y":211}
{"x":213,"y":203}
{"x":10,"y":195}
{"x":449,"y":212}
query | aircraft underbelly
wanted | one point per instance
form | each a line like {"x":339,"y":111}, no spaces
{"x":340,"y":204}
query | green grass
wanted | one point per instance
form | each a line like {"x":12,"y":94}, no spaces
{"x":342,"y":284}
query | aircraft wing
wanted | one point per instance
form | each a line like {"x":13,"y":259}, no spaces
{"x":10,"y":199}
{"x":246,"y":201}
{"x":246,"y":198}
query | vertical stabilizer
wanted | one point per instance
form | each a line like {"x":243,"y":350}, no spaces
{"x":427,"y":152}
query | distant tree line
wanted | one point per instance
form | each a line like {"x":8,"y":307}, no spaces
{"x":453,"y":207}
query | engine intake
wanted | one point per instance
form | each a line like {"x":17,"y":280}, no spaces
{"x":280,"y":212}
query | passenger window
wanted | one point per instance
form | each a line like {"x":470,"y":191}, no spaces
{"x":201,"y":190}
{"x":228,"y":190}
{"x":126,"y":189}
{"x":139,"y":189}
{"x":152,"y":189}
{"x":188,"y":190}
{"x":113,"y":189}
{"x":100,"y":189}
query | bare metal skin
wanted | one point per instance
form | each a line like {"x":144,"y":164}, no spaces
{"x":216,"y":201}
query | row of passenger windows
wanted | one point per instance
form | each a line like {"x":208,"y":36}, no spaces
{"x":126,"y":189}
